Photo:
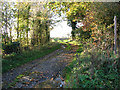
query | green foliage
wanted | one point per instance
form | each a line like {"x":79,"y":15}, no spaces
{"x":20,"y":76}
{"x":91,"y":14}
{"x":98,"y":65}
{"x":74,"y":11}
{"x":67,"y":71}
{"x":80,"y":49}
{"x":68,"y":47}
{"x":32,"y":25}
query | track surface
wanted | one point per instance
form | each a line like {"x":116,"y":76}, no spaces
{"x":33,"y":73}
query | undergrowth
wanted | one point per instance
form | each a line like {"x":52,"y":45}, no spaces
{"x":93,"y":69}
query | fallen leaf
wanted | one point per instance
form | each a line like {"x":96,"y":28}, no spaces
{"x":41,"y":74}
{"x":27,"y":82}
{"x":51,"y":79}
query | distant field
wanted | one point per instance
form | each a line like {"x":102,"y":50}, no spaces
{"x":65,"y":41}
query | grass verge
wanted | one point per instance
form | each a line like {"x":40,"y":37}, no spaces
{"x":15,"y":60}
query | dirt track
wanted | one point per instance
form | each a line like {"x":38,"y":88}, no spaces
{"x":39,"y":70}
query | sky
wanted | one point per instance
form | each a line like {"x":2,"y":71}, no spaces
{"x":61,"y":30}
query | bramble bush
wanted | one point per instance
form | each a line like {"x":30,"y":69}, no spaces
{"x":11,"y":47}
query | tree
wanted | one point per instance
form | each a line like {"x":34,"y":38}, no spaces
{"x":4,"y":20}
{"x":41,"y":24}
{"x":18,"y":22}
{"x":21,"y":15}
{"x":75,"y":11}
{"x":7,"y":21}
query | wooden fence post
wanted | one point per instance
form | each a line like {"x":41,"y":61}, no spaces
{"x":115,"y":35}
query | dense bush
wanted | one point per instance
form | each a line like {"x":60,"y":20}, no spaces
{"x":11,"y":47}
{"x":80,"y":49}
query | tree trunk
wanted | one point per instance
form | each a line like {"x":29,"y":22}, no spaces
{"x":20,"y":36}
{"x":27,"y":26}
{"x":5,"y":33}
{"x":37,"y":38}
{"x":11,"y":35}
{"x":115,"y":35}
{"x":47,"y":34}
{"x":41,"y":38}
{"x":2,"y":23}
{"x":73,"y":29}
{"x":18,"y":25}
